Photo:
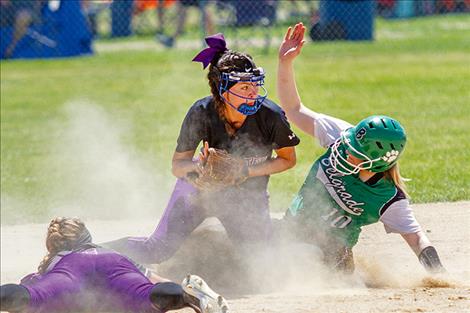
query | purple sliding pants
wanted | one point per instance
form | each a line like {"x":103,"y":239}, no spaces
{"x":92,"y":279}
{"x":243,"y":213}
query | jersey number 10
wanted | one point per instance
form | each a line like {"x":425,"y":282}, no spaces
{"x":337,"y":220}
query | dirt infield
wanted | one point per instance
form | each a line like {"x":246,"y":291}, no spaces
{"x":388,"y":277}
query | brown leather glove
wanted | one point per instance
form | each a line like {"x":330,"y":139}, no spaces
{"x":219,"y":171}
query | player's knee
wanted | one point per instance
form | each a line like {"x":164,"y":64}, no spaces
{"x":14,"y":298}
{"x":167,"y":296}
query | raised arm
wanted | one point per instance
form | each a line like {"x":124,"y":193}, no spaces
{"x":296,"y":112}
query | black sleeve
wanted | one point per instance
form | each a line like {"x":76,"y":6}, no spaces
{"x":282,"y":134}
{"x":192,"y":130}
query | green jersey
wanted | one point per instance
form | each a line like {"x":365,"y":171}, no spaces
{"x":339,"y":205}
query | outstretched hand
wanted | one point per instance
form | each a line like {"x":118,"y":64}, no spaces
{"x":292,"y":44}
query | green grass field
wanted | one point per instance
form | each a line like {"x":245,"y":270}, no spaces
{"x":417,"y":71}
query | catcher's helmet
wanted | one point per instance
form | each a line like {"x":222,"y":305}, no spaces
{"x":377,"y":140}
{"x":245,"y":72}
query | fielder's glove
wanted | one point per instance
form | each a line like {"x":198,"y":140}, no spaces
{"x":218,"y":171}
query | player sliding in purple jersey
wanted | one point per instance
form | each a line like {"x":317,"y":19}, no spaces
{"x":77,"y":275}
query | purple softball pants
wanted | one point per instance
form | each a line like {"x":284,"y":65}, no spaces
{"x":90,"y":280}
{"x":243,"y":213}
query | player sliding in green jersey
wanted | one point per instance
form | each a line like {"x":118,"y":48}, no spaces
{"x":356,"y":182}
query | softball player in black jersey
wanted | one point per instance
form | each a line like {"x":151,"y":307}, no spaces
{"x":238,"y":118}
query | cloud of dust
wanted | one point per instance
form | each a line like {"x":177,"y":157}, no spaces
{"x":380,"y":275}
{"x":289,"y":268}
{"x":293,"y":267}
{"x":92,"y":173}
{"x":100,"y":175}
{"x":234,"y":270}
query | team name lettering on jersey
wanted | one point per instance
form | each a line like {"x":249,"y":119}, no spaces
{"x":255,"y":160}
{"x":337,"y":190}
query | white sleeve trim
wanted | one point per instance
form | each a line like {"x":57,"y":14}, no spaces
{"x":399,"y":218}
{"x":328,"y":129}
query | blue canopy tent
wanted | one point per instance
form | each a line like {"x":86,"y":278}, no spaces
{"x":63,"y":32}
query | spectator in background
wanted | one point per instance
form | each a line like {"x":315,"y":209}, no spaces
{"x":19,"y":14}
{"x":249,"y":13}
{"x":162,"y":5}
{"x":183,"y":5}
{"x":385,"y":7}
{"x":92,"y":9}
{"x":448,"y":6}
{"x":159,"y":5}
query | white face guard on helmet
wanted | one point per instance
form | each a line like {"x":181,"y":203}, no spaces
{"x":339,"y":157}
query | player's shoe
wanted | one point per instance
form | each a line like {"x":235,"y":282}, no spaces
{"x":201,"y":297}
{"x":165,"y":40}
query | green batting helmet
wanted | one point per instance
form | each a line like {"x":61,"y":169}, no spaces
{"x":377,"y":140}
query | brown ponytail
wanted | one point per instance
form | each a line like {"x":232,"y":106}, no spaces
{"x":394,"y":175}
{"x":63,"y":234}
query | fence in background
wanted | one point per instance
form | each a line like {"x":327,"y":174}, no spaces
{"x":54,"y":28}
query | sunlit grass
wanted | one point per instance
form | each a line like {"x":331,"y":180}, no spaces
{"x":422,"y":81}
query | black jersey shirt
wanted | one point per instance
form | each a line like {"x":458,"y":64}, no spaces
{"x":254,"y":141}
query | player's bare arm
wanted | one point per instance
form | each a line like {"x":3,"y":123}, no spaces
{"x":285,"y":159}
{"x":183,"y":163}
{"x":289,"y":97}
{"x":417,"y":241}
{"x":425,"y":252}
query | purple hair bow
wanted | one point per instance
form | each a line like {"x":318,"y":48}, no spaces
{"x":216,"y":44}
